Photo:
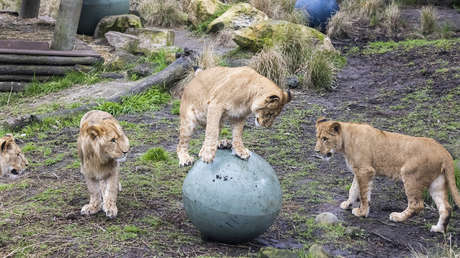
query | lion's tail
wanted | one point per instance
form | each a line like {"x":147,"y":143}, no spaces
{"x":449,"y":171}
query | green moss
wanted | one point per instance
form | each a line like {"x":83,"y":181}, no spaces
{"x":202,"y":27}
{"x":155,"y":155}
{"x":380,"y":47}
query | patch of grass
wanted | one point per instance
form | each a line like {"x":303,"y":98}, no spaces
{"x":175,"y":110}
{"x":150,"y":100}
{"x":281,"y":10}
{"x":166,"y":13}
{"x":36,"y":88}
{"x":11,"y":186}
{"x":380,"y":47}
{"x":428,"y":20}
{"x":52,"y":161}
{"x":155,"y":155}
{"x":270,"y":63}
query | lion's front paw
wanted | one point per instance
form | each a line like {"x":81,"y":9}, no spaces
{"x":185,"y":160}
{"x":207,"y":154}
{"x":225,"y":144}
{"x":436,"y":228}
{"x":89,"y":209}
{"x":241,"y":152}
{"x":110,"y":209}
{"x":358,"y":212}
{"x":346,"y":205}
{"x":397,"y":217}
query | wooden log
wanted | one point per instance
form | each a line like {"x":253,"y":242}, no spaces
{"x":35,"y":69}
{"x":48,"y":60}
{"x":165,"y":78}
{"x":29,"y":8}
{"x":48,"y":52}
{"x":23,"y":78}
{"x":66,"y":24}
{"x":12,"y":86}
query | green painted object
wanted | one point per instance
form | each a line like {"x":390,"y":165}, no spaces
{"x":93,"y":11}
{"x":232,"y":200}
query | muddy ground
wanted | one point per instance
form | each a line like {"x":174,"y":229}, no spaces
{"x":412,"y":88}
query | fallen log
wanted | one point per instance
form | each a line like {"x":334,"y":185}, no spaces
{"x":165,"y":78}
{"x":23,"y":78}
{"x":35,"y":69}
{"x":12,"y":86}
{"x":48,"y":60}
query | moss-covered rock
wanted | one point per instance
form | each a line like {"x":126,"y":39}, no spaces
{"x":120,"y":23}
{"x":237,"y":17}
{"x":273,"y":32}
{"x":201,"y":10}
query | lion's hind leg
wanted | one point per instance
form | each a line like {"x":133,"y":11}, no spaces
{"x":414,"y":195}
{"x":438,"y":191}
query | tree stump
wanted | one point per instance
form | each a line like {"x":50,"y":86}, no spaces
{"x":66,"y":24}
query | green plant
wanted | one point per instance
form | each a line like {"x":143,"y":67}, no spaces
{"x":321,"y":71}
{"x":155,"y":155}
{"x":270,"y":63}
{"x":428,"y":20}
{"x":150,"y":100}
{"x":162,"y":12}
{"x":391,"y":18}
{"x":175,"y":110}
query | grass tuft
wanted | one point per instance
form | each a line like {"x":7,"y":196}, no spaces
{"x":270,"y":63}
{"x":155,"y":155}
{"x":166,"y":13}
{"x":428,"y":20}
{"x":36,"y":88}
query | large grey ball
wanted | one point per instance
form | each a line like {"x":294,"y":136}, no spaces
{"x":232,"y":200}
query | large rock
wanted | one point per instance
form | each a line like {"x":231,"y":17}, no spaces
{"x":274,"y":32}
{"x":237,"y":17}
{"x":201,"y":10}
{"x":144,"y":41}
{"x":120,"y":23}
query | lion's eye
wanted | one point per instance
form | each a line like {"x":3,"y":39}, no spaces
{"x":114,"y":140}
{"x":324,"y":139}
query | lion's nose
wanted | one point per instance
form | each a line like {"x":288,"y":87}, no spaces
{"x":317,"y":151}
{"x":14,"y":171}
{"x":125,"y":152}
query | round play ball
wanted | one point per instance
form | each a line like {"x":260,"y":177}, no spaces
{"x":232,"y":200}
{"x":319,"y":11}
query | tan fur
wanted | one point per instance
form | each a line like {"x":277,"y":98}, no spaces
{"x":419,"y":162}
{"x":101,"y":144}
{"x":226,"y":93}
{"x":12,"y":160}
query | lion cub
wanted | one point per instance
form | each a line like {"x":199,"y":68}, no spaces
{"x":419,"y":162}
{"x":226,"y":93}
{"x":101,"y":144}
{"x":12,"y":160}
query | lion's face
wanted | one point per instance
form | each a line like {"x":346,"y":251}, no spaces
{"x":270,"y":107}
{"x":12,"y":160}
{"x":108,"y":140}
{"x":328,"y":138}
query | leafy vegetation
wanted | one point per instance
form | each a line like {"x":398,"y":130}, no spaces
{"x":155,"y":155}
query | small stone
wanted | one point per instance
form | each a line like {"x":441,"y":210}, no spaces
{"x":271,"y":252}
{"x":326,"y":218}
{"x":112,"y":75}
{"x":141,"y":70}
{"x":317,"y":251}
{"x":292,"y":82}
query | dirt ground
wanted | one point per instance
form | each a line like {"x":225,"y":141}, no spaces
{"x":410,"y":88}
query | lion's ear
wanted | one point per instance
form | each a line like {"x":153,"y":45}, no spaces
{"x":335,"y":128}
{"x":94,"y":131}
{"x":321,"y":119}
{"x":287,"y":97}
{"x":6,"y":144}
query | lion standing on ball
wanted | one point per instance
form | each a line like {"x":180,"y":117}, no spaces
{"x":231,"y":93}
{"x":102,"y":145}
{"x":419,"y":162}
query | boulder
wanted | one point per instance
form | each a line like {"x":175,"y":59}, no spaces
{"x":326,"y":218}
{"x":145,"y":41}
{"x":271,"y":252}
{"x":121,"y":58}
{"x":273,"y":32}
{"x":237,"y":17}
{"x":120,"y":23}
{"x":201,"y":10}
